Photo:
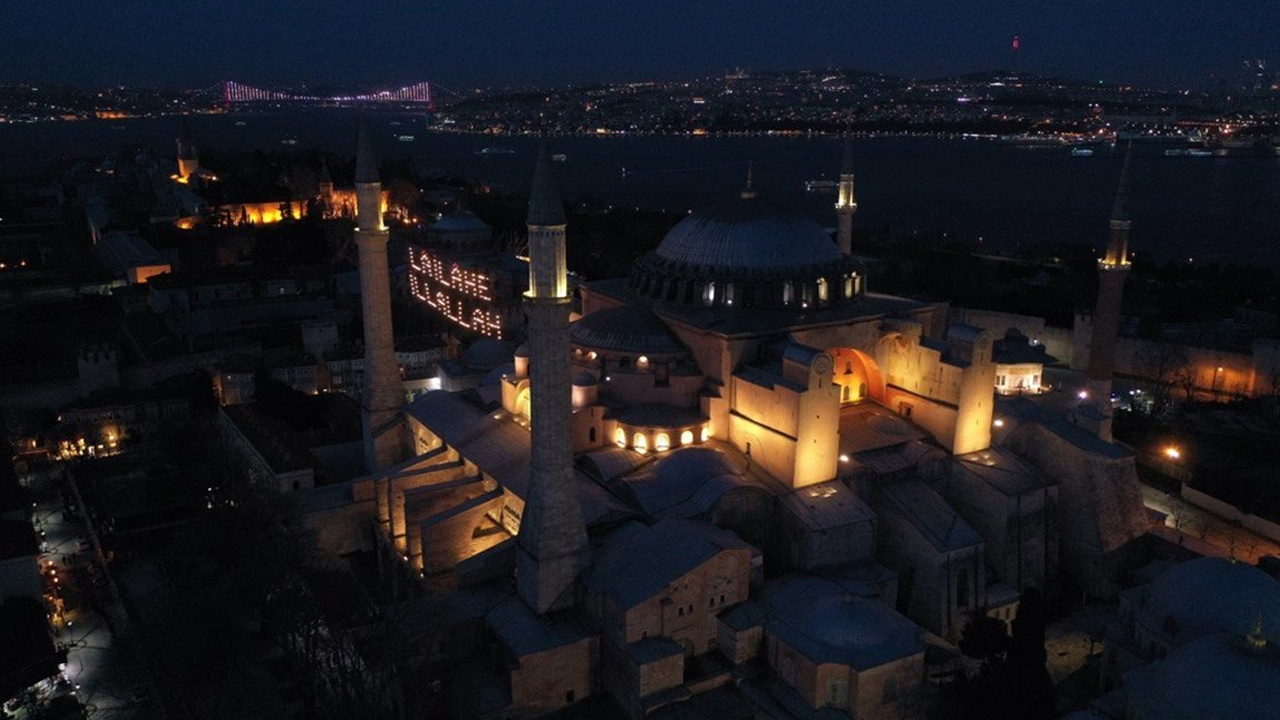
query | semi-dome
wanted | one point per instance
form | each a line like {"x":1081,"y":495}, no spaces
{"x":626,"y":329}
{"x":748,"y":253}
{"x":748,"y":233}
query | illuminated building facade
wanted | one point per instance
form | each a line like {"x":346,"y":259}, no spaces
{"x":739,"y":449}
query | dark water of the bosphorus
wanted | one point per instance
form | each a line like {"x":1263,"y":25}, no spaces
{"x":1215,"y":209}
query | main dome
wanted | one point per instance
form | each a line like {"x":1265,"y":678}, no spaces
{"x":748,"y":233}
{"x":748,"y":253}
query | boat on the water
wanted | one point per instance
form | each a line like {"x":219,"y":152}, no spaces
{"x":1175,"y":152}
{"x":559,"y":157}
{"x":1199,"y":152}
{"x":405,"y":138}
{"x":494,"y":150}
{"x":820,"y":185}
{"x":1081,"y":152}
{"x":1033,"y":140}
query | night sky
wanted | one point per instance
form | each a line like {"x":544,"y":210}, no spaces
{"x":457,"y":43}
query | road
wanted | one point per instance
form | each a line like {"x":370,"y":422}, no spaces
{"x":1223,"y":534}
{"x":96,"y":670}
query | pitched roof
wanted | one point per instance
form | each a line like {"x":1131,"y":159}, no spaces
{"x":929,"y":514}
{"x":638,"y":562}
{"x":501,"y":449}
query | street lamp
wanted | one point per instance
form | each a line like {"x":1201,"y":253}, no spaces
{"x":1172,"y":453}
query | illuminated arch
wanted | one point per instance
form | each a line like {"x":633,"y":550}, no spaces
{"x":522,"y":403}
{"x":662,"y":442}
{"x":640,"y":443}
{"x":620,"y":437}
{"x":686,"y":437}
{"x":858,"y":375}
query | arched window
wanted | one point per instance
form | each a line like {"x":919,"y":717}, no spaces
{"x":640,"y":443}
{"x":729,"y":293}
{"x":788,"y":293}
{"x":849,"y":287}
{"x":662,"y":442}
{"x":822,"y":289}
{"x":709,"y":293}
{"x":706,"y":433}
{"x":686,"y":437}
{"x":620,"y":437}
{"x":848,"y":367}
{"x":642,"y":363}
{"x":591,"y":436}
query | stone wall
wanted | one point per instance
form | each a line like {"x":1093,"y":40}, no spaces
{"x":554,"y":678}
{"x":1100,"y":506}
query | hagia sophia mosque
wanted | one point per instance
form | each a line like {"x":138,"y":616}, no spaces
{"x":739,"y":456}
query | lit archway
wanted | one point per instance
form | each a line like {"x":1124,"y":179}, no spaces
{"x":522,"y":403}
{"x":620,"y":437}
{"x":640,"y":443}
{"x":662,"y":442}
{"x":686,"y":437}
{"x":857,"y":374}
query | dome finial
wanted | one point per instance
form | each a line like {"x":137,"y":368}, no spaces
{"x":1256,"y":638}
{"x":749,"y":191}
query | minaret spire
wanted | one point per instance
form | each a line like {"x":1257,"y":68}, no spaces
{"x":552,"y":542}
{"x":1112,"y":270}
{"x":188,"y":154}
{"x":846,"y":200}
{"x":749,"y":191}
{"x":383,"y":390}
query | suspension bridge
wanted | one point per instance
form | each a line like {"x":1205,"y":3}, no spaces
{"x":234,"y":92}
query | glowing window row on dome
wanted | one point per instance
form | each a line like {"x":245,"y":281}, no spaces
{"x":661,"y":441}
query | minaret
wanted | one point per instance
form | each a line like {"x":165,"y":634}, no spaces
{"x":846,"y":201}
{"x":188,"y":154}
{"x":383,"y":389}
{"x":1112,"y":270}
{"x":552,"y":544}
{"x":325,"y":181}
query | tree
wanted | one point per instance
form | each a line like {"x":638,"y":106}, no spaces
{"x":1161,"y":363}
{"x":985,"y":638}
{"x":1030,"y":688}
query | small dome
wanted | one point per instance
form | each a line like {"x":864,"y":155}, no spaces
{"x":1221,"y":676}
{"x":848,"y":622}
{"x":1211,"y":595}
{"x":523,"y":351}
{"x":828,"y":623}
{"x":627,"y":329}
{"x":460,"y":222}
{"x":585,"y":379}
{"x":487,"y":353}
{"x":747,"y":234}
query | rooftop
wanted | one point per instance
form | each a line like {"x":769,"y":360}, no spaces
{"x":919,"y":505}
{"x":638,"y":562}
{"x":1002,"y":470}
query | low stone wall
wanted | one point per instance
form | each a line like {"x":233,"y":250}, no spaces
{"x":1262,"y":526}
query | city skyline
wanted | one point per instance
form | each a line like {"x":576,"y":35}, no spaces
{"x":469,"y":43}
